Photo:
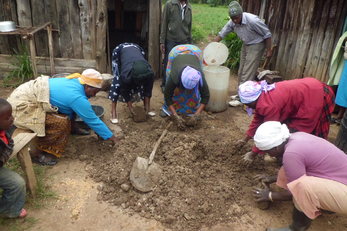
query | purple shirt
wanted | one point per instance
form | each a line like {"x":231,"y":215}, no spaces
{"x":313,"y":156}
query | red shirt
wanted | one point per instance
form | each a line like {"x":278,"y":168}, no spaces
{"x":3,"y":136}
{"x":298,"y":103}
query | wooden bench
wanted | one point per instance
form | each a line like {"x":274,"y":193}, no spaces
{"x":21,"y":150}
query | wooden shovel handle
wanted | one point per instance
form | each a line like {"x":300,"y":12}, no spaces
{"x":151,"y":157}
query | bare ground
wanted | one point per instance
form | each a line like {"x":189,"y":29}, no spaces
{"x":204,"y":185}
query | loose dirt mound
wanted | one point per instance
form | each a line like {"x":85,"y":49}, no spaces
{"x":203,"y":180}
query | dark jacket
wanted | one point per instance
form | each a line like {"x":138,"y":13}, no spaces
{"x":173,"y":28}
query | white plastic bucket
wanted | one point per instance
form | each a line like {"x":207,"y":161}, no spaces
{"x":217,"y":78}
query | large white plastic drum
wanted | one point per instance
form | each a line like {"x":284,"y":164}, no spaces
{"x":215,"y":54}
{"x":217,"y":77}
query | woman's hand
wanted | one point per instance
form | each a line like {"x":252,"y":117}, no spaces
{"x":194,"y":120}
{"x":114,"y":140}
{"x":240,"y":143}
{"x":179,"y":121}
{"x":248,"y":158}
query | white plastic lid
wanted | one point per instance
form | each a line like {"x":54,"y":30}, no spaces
{"x":215,"y":53}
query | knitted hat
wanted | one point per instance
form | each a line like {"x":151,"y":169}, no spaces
{"x":235,"y":9}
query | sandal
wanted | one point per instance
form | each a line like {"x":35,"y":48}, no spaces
{"x":335,"y":121}
{"x":23,"y":213}
{"x":114,"y":121}
{"x":45,"y":159}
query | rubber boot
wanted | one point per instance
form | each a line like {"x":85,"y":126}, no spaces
{"x":300,"y":222}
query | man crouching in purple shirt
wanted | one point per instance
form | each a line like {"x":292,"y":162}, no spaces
{"x":313,"y":172}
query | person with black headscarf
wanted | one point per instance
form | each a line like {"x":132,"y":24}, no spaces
{"x":132,"y":78}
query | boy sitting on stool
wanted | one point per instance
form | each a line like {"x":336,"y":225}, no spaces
{"x":13,"y":196}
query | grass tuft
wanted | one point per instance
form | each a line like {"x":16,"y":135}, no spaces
{"x":22,"y":71}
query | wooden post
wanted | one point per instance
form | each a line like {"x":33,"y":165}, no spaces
{"x":22,"y":141}
{"x":153,"y":35}
{"x":50,"y":47}
{"x":27,"y":166}
{"x":101,"y":40}
{"x":33,"y":55}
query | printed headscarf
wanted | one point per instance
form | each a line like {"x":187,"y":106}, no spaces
{"x":235,"y":9}
{"x":270,"y":134}
{"x":250,"y":91}
{"x":89,"y":77}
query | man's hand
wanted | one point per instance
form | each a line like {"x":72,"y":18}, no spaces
{"x":268,"y":53}
{"x":261,"y":194}
{"x":162,"y":48}
{"x":265,"y":179}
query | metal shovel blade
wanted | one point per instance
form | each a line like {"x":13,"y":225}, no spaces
{"x":143,"y":176}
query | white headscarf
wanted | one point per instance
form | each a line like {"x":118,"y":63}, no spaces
{"x":270,"y":134}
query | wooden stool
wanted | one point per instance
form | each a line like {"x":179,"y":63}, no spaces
{"x":21,"y":150}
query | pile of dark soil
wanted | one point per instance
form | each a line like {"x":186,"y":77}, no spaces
{"x":204,"y":180}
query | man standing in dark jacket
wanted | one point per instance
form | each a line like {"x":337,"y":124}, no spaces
{"x":176,"y":28}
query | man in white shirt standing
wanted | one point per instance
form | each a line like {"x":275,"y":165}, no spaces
{"x":255,"y":35}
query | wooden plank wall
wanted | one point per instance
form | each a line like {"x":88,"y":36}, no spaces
{"x":8,"y":13}
{"x":62,"y":65}
{"x":79,"y":29}
{"x":154,"y":30}
{"x":306,"y":32}
{"x":76,"y":24}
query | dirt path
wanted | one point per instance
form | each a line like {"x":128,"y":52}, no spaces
{"x":204,"y":185}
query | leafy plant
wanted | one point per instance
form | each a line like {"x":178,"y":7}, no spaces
{"x":234,"y":45}
{"x":22,"y":71}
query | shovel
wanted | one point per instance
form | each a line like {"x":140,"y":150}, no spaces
{"x":145,"y":173}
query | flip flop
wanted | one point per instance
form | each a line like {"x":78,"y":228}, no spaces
{"x":235,"y":103}
{"x":23,"y":213}
{"x":151,"y":113}
{"x":44,"y":160}
{"x":114,"y":121}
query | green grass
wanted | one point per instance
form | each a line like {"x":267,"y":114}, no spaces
{"x":17,"y":224}
{"x":43,"y":194}
{"x":207,"y":21}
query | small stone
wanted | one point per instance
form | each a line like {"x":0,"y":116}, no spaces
{"x":125,"y":187}
{"x":83,"y":157}
{"x":102,"y":94}
{"x":100,"y":187}
{"x":169,"y":219}
{"x":186,"y":216}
